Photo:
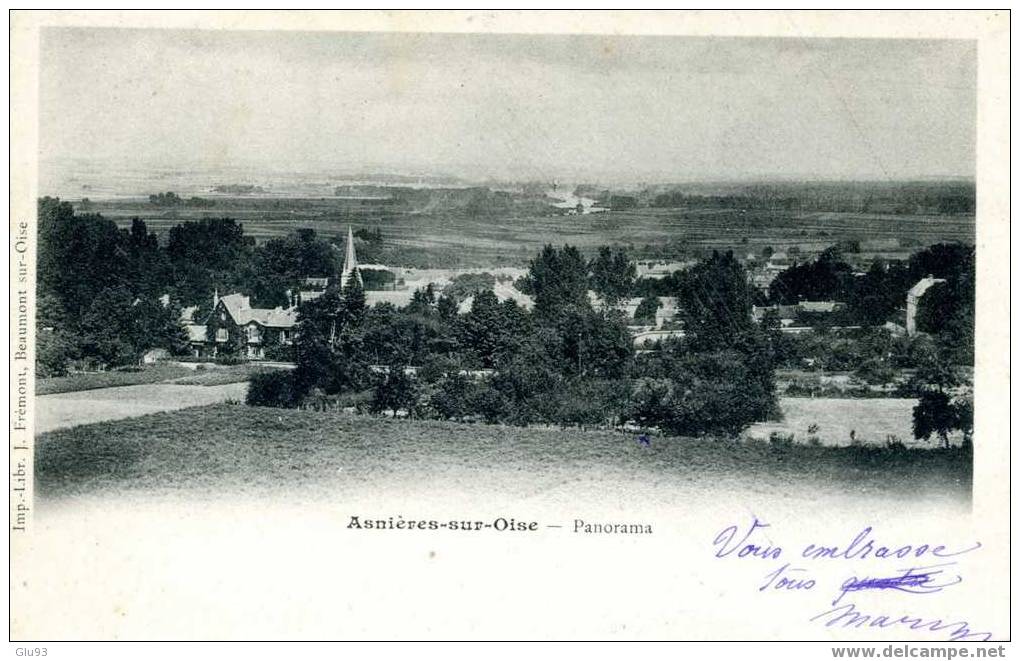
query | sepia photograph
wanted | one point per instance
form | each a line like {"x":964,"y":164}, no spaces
{"x":692,"y":312}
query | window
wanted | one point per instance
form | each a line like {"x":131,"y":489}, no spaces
{"x":221,"y":335}
{"x":253,"y":333}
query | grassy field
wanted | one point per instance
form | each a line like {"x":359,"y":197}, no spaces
{"x":873,"y":421}
{"x":233,"y":448}
{"x":219,"y":376}
{"x":70,"y":409}
{"x":167,"y":373}
{"x":111,"y":379}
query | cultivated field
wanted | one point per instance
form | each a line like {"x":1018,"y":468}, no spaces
{"x":231,"y":448}
{"x":460,"y":240}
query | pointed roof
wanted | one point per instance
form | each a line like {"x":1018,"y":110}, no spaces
{"x":350,"y":261}
{"x":923,"y":285}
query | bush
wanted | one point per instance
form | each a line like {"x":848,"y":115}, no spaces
{"x":397,"y":391}
{"x":274,"y":389}
{"x":453,"y":398}
{"x":592,"y":402}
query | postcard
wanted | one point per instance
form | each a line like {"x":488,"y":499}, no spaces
{"x":543,"y":326}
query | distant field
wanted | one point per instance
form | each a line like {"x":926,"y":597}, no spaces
{"x":228,"y":448}
{"x":455,"y":239}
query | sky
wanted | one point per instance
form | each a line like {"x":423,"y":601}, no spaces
{"x":510,"y":106}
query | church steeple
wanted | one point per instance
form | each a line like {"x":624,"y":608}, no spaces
{"x":350,"y":262}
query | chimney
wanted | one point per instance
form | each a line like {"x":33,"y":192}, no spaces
{"x":215,"y":298}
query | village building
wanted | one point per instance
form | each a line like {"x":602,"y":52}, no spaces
{"x":914,"y":296}
{"x":657,"y":270}
{"x":235,"y":327}
{"x":503,"y":292}
{"x":791,"y":315}
{"x":665,"y":314}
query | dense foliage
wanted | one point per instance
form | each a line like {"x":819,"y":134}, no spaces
{"x":100,"y":287}
{"x":567,"y":362}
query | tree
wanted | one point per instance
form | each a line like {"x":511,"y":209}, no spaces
{"x":558,"y":280}
{"x":647,"y":310}
{"x":79,"y":256}
{"x":107,"y":327}
{"x":492,"y":331}
{"x":446,"y":308}
{"x":828,"y":278}
{"x":453,"y":398}
{"x":282,"y":264}
{"x":274,"y":389}
{"x":934,"y":414}
{"x":594,"y":344}
{"x":54,"y":349}
{"x":396,"y":391}
{"x":936,"y":411}
{"x":469,"y":284}
{"x":714,"y":298}
{"x":329,"y":343}
{"x":719,"y":392}
{"x":612,"y":275}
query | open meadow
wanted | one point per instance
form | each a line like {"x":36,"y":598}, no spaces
{"x":259,"y":451}
{"x":831,"y":421}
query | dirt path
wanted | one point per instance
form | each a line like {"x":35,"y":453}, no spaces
{"x":78,"y":408}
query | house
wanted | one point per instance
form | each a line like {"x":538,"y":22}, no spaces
{"x":657,"y":270}
{"x":153,"y":356}
{"x":649,"y":339}
{"x":787,"y":314}
{"x":666,"y":312}
{"x":235,"y":326}
{"x":823,"y":307}
{"x":914,"y":297}
{"x":503,"y":292}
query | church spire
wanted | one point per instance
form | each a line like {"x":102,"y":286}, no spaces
{"x":350,"y":262}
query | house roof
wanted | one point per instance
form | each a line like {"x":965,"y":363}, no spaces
{"x":196,"y":332}
{"x":503,"y":292}
{"x":240,"y":310}
{"x":923,"y":285}
{"x":819,"y":306}
{"x":188,"y":313}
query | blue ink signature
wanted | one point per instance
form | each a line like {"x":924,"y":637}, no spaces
{"x":847,"y":615}
{"x":645,"y":440}
{"x":914,"y":580}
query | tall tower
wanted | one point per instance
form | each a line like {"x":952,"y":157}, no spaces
{"x":350,"y":262}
